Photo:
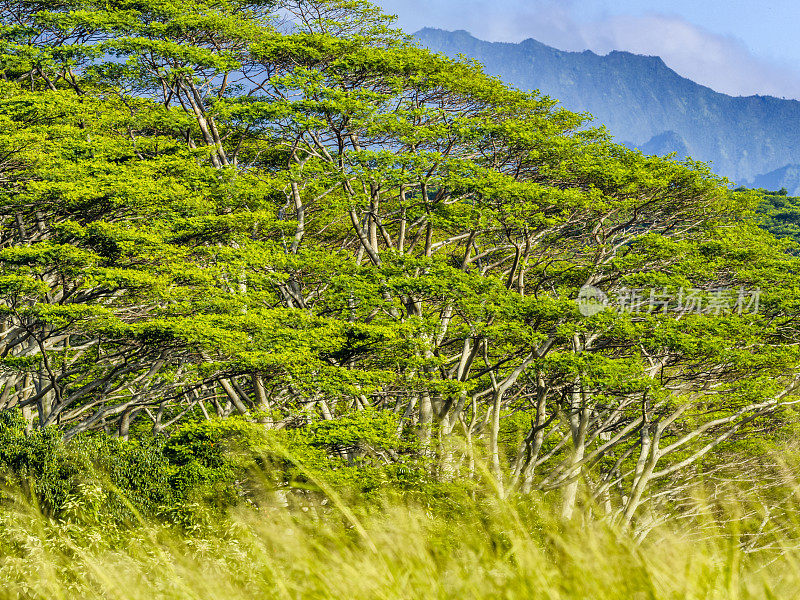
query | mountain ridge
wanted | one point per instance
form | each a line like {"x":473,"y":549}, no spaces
{"x":639,"y":98}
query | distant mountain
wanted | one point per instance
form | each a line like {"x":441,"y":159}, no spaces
{"x":666,"y":143}
{"x":787,"y":177}
{"x":642,"y":100}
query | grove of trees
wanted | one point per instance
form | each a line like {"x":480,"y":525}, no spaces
{"x":288,"y":211}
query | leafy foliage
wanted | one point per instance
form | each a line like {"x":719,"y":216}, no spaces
{"x":289,"y":212}
{"x":781,"y":214}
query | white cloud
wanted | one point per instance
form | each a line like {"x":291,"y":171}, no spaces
{"x":721,"y":62}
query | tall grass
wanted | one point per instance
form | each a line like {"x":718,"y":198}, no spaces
{"x":484,"y":548}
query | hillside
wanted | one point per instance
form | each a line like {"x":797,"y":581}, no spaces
{"x":646,"y":104}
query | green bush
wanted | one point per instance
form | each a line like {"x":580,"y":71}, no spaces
{"x":213,"y":466}
{"x":198,"y":465}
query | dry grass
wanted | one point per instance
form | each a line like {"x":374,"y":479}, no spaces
{"x":490,"y":549}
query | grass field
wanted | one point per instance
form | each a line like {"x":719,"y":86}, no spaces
{"x":487,"y":548}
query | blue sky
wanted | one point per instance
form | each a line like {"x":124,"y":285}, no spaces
{"x":734,"y":46}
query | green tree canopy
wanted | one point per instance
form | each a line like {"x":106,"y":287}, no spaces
{"x":288,"y":210}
